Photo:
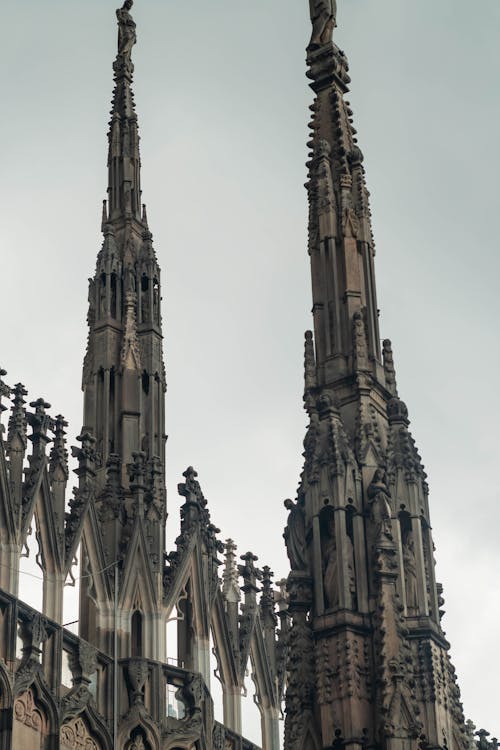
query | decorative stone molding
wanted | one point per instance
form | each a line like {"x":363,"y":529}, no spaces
{"x":75,"y":736}
{"x":26,"y":711}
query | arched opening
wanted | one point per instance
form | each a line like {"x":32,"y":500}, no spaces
{"x":136,"y":634}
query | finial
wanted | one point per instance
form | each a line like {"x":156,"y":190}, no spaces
{"x":145,"y":216}
{"x":86,"y":457}
{"x":390,"y":372}
{"x":324,"y":20}
{"x":104,"y":219}
{"x":17,"y":421}
{"x":4,"y":389}
{"x":249,"y":572}
{"x":59,"y":454}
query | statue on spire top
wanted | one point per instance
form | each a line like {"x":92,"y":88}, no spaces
{"x":324,"y":20}
{"x":126,"y":31}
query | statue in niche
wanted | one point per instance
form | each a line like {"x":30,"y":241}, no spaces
{"x":113,"y":296}
{"x":145,"y":305}
{"x":324,"y":20}
{"x":127,"y":36}
{"x":379,"y":499}
{"x":351,"y":572}
{"x":295,"y":535}
{"x":102,"y":298}
{"x":331,"y":568}
{"x":156,"y":301}
{"x":410,"y":572}
{"x":130,"y":284}
{"x":91,"y":296}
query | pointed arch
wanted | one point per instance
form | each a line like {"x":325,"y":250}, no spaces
{"x":138,"y":593}
{"x":139,"y":726}
{"x":308,"y":739}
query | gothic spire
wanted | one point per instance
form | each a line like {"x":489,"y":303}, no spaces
{"x":340,"y":237}
{"x":364,"y":603}
{"x":124,"y":182}
{"x":124,"y":374}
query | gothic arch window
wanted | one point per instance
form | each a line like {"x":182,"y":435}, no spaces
{"x":145,"y":383}
{"x":136,"y":634}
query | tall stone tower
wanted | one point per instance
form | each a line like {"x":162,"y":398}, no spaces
{"x":369,"y":664}
{"x":124,"y":387}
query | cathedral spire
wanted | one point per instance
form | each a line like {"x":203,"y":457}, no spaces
{"x":365,"y":631}
{"x":124,"y":182}
{"x":340,"y":237}
{"x":124,"y":374}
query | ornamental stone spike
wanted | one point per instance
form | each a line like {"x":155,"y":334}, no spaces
{"x":4,"y":390}
{"x":230,"y":587}
{"x":389,"y":369}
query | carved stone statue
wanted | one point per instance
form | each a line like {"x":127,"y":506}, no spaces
{"x":324,"y":20}
{"x":410,"y":570}
{"x":331,"y":568}
{"x":126,"y":30}
{"x":351,"y":572}
{"x":295,"y":536}
{"x":379,"y":499}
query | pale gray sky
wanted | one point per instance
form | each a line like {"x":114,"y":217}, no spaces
{"x":222,"y":101}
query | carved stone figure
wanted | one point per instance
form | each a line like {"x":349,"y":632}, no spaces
{"x":410,"y":570}
{"x":145,"y":306}
{"x":324,"y":20}
{"x":379,"y":499}
{"x":351,"y":572}
{"x":295,"y":536}
{"x":331,"y":569}
{"x":126,"y":30}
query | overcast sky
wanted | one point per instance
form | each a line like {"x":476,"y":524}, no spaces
{"x":222,"y":100}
